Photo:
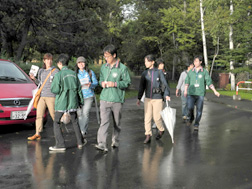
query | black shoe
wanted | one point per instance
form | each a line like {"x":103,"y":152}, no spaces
{"x":159,"y":135}
{"x":147,"y":139}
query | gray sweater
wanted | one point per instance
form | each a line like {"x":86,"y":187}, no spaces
{"x":42,"y":74}
{"x":181,"y":82}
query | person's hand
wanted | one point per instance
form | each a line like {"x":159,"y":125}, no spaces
{"x":110,"y":84}
{"x":185,"y":93}
{"x":168,"y":98}
{"x":104,"y":84}
{"x":177,"y":93}
{"x":138,"y":102}
{"x":32,"y":76}
{"x":217,"y":93}
{"x":88,"y":84}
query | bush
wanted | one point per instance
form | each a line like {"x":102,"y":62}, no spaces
{"x":228,"y":87}
{"x":242,"y":76}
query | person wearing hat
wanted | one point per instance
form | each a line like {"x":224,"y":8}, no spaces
{"x":88,"y":83}
{"x":181,"y":88}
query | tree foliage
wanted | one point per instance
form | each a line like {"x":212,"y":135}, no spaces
{"x":167,"y":28}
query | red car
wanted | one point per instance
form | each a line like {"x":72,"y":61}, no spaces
{"x":15,"y":94}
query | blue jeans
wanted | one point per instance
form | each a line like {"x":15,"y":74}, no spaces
{"x":84,"y":119}
{"x":184,"y":104}
{"x":198,"y":101}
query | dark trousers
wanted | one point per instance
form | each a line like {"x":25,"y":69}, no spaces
{"x":198,"y":101}
{"x":58,"y":133}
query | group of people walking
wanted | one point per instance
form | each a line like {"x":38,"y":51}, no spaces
{"x":66,"y":90}
{"x":154,"y":86}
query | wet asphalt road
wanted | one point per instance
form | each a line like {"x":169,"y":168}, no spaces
{"x":218,"y":156}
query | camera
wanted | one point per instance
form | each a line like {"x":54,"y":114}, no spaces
{"x":156,"y":91}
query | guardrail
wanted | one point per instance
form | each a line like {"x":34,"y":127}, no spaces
{"x":237,"y":86}
{"x":238,"y":97}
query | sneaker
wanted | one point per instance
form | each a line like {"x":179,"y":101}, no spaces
{"x":115,"y":144}
{"x":196,"y":128}
{"x":184,"y":118}
{"x":159,"y":135}
{"x":101,"y":147}
{"x":54,"y":148}
{"x":34,"y":137}
{"x":83,"y":144}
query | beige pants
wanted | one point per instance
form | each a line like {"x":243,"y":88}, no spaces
{"x":152,"y":108}
{"x":44,"y":102}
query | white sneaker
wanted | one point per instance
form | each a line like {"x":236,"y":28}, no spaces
{"x":84,"y":143}
{"x":115,"y":144}
{"x":101,"y":147}
{"x":54,"y":148}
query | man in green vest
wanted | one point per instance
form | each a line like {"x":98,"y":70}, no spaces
{"x":114,"y":79}
{"x":67,"y":88}
{"x":195,"y":90}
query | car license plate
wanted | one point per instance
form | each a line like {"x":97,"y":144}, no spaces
{"x":18,"y":115}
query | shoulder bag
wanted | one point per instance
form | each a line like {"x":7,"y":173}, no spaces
{"x":37,"y":95}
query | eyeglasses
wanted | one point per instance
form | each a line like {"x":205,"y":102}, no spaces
{"x":106,"y":57}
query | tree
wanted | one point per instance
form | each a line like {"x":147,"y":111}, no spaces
{"x":203,"y":34}
{"x":231,"y":47}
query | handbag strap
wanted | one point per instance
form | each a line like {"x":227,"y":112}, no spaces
{"x":40,"y":89}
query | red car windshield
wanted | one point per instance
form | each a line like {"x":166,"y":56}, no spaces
{"x":10,"y":73}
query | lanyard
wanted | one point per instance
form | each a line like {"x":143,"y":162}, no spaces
{"x":108,"y":73}
{"x":197,"y":73}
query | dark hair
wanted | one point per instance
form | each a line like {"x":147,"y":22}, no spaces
{"x":199,"y":57}
{"x":85,"y":68}
{"x":110,"y":49}
{"x":151,"y":57}
{"x":47,"y":56}
{"x":63,"y":58}
{"x":160,"y":61}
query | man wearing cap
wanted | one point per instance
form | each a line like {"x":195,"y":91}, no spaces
{"x":181,"y":88}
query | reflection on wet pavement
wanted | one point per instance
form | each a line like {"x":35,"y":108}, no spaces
{"x":218,"y":156}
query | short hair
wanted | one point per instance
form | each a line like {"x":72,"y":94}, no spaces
{"x":160,"y":61}
{"x":110,"y":49}
{"x":64,"y":59}
{"x":198,"y":57}
{"x":48,"y":56}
